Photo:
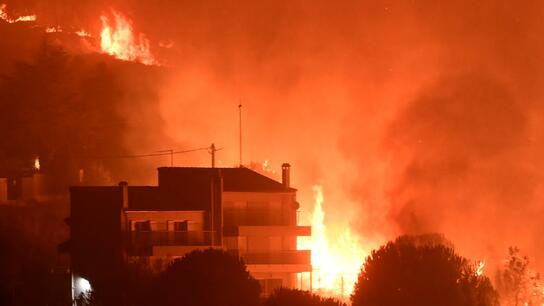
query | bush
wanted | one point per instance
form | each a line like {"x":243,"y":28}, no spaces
{"x":294,"y":297}
{"x":421,"y":270}
{"x":206,"y":278}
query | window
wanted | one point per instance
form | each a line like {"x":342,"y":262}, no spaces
{"x":258,"y":244}
{"x":142,"y":226}
{"x":181,"y":226}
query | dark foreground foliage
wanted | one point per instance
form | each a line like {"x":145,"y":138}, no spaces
{"x":28,"y":239}
{"x":294,"y":297}
{"x":206,"y":278}
{"x":421,"y":270}
{"x":201,"y":278}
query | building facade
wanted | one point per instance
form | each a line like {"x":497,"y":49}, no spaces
{"x":235,"y":209}
{"x":23,"y":183}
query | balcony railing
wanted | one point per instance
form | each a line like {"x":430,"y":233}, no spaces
{"x":139,"y":240}
{"x":302,"y":257}
{"x":267,"y":230}
{"x":236,"y":217}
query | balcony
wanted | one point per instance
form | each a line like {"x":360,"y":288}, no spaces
{"x":268,"y":230}
{"x":293,"y":257}
{"x":142,"y":243}
{"x":258,"y":217}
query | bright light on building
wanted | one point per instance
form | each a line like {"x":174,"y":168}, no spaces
{"x":81,"y":288}
{"x":83,"y":285}
{"x":37,"y":163}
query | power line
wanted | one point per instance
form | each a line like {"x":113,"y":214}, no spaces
{"x":171,"y":152}
{"x":158,"y":153}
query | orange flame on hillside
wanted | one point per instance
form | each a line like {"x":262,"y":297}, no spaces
{"x":56,"y":29}
{"x":480,"y":265}
{"x":117,"y":39}
{"x":336,"y":265}
{"x":82,"y":33}
{"x":4,"y":16}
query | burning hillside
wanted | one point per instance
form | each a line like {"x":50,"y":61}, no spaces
{"x":118,"y":39}
{"x":117,"y":36}
{"x":9,"y":19}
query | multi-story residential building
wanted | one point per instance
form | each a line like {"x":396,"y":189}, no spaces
{"x":22,"y":183}
{"x":236,"y":209}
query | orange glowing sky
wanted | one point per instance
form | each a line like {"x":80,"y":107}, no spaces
{"x":412,"y":116}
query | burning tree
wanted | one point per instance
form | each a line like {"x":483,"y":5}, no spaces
{"x":421,"y":270}
{"x":516,"y":283}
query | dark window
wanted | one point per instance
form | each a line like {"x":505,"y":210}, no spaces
{"x":181,"y":226}
{"x":15,"y":188}
{"x":142,"y":226}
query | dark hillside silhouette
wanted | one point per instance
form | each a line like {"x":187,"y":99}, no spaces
{"x":77,"y":111}
{"x":62,"y":110}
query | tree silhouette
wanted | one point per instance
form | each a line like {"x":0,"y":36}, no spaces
{"x":294,"y":297}
{"x":421,"y":270}
{"x":206,"y":278}
{"x":517,"y":285}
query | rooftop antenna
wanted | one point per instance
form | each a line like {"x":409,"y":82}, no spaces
{"x":240,"y":128}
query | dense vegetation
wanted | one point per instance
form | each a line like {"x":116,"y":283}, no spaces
{"x":76,"y":111}
{"x":421,"y":270}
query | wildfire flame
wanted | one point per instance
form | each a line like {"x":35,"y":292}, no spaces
{"x":4,"y":16}
{"x":82,"y":33}
{"x":37,"y":165}
{"x":335,"y":265}
{"x":117,"y":39}
{"x":480,"y":267}
{"x":53,"y":29}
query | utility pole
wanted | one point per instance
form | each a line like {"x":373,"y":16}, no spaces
{"x":212,"y":149}
{"x":213,"y":155}
{"x":212,"y":208}
{"x":240,"y":127}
